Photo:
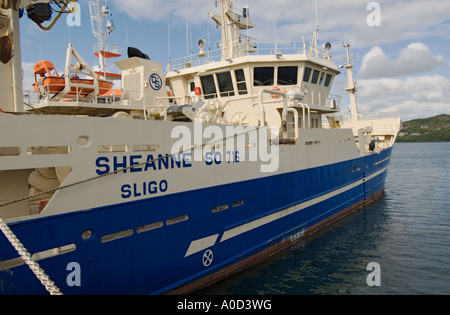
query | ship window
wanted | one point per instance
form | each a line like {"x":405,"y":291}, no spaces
{"x":287,"y":75}
{"x":240,"y":80}
{"x":225,"y":84}
{"x":263,"y":76}
{"x":322,"y":76}
{"x":209,"y":87}
{"x":328,"y":80}
{"x":307,"y":74}
{"x":240,"y":76}
{"x":315,"y":77}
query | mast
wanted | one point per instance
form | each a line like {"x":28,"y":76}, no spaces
{"x":231,"y":23}
{"x":102,"y":26}
{"x":351,"y":85}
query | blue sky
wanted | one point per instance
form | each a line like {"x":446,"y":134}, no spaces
{"x":401,"y":65}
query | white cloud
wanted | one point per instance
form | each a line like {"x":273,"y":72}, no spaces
{"x":28,"y":75}
{"x":142,"y":9}
{"x":416,"y":58}
{"x":157,"y":10}
{"x":346,"y":20}
{"x":404,"y":83}
{"x":414,"y":97}
{"x":339,"y":20}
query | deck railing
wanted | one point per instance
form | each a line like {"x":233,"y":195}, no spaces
{"x":249,"y":49}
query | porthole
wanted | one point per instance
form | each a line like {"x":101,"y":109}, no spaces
{"x":83,"y":141}
{"x":87,"y":235}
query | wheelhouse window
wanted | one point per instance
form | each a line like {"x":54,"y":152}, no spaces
{"x":209,"y":87}
{"x":315,"y":77}
{"x":307,"y":74}
{"x":225,"y":84}
{"x":191,"y":86}
{"x":263,"y":76}
{"x":287,"y":75}
{"x":328,"y":80}
{"x":322,"y":76}
{"x":240,"y":81}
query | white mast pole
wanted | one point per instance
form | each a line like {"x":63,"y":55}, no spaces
{"x":168,"y":33}
{"x":351,"y":86}
{"x":316,"y":32}
{"x":187,"y":31}
{"x":17,"y":64}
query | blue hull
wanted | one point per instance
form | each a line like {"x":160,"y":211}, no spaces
{"x":190,"y":239}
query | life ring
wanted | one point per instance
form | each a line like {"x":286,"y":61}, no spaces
{"x":276,"y":88}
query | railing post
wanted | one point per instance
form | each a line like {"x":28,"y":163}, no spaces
{"x":285,"y":108}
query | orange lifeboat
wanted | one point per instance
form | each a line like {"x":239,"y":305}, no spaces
{"x":53,"y":83}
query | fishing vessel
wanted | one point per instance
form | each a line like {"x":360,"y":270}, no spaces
{"x":193,"y":174}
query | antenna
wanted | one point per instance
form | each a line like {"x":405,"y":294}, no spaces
{"x":275,"y":34}
{"x":316,"y":32}
{"x":187,"y":31}
{"x":168,"y":31}
{"x":248,"y":17}
{"x":317,"y":17}
{"x":126,"y":32}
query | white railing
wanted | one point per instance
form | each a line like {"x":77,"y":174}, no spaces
{"x":374,"y":116}
{"x":107,"y":47}
{"x":379,"y":115}
{"x":249,"y":48}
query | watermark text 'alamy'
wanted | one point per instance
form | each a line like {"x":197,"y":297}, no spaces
{"x":229,"y":144}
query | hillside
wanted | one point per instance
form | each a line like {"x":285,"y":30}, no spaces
{"x":434,"y":129}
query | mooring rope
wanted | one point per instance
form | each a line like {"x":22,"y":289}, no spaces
{"x":49,"y":285}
